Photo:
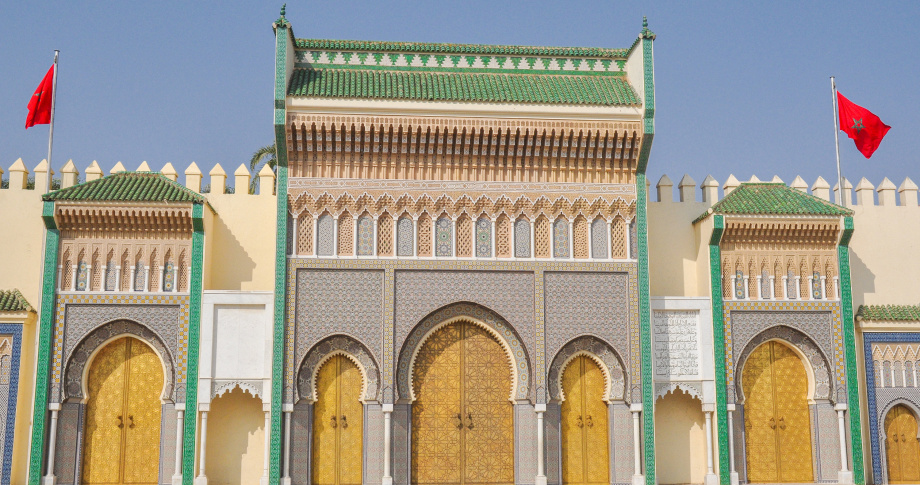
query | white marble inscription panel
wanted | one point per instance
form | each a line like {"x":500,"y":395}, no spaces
{"x":677,"y":344}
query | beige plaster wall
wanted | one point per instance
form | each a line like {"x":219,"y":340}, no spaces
{"x":680,"y":439}
{"x":885,"y":255}
{"x":236,"y":439}
{"x":241,"y":246}
{"x":675,"y":245}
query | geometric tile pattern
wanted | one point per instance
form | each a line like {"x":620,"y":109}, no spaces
{"x":332,"y":346}
{"x":12,"y":344}
{"x":599,"y":351}
{"x":167,"y":317}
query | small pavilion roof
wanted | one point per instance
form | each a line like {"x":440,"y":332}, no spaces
{"x":128,"y":187}
{"x":775,"y":199}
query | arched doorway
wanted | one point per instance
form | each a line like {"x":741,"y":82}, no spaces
{"x":122,"y":441}
{"x":338,"y":423}
{"x":462,"y":419}
{"x":585,"y":442}
{"x":901,"y":445}
{"x":777,"y":422}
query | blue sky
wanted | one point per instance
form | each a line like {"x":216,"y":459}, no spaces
{"x":742,"y":87}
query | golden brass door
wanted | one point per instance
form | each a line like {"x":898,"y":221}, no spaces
{"x":462,"y":420}
{"x":122,"y":440}
{"x":338,"y":424}
{"x":777,"y":422}
{"x":902,"y":447}
{"x":585,"y":444}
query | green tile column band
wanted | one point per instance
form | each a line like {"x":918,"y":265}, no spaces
{"x":849,"y":342}
{"x":645,"y":317}
{"x":45,"y":334}
{"x":282,"y":35}
{"x":718,"y":345}
{"x":194,"y":324}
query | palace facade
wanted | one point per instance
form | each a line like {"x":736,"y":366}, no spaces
{"x":456,"y":275}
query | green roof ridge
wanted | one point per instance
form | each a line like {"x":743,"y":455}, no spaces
{"x":900,"y":313}
{"x":450,"y":48}
{"x":773,"y":198}
{"x":451,"y":86}
{"x":128,"y":187}
{"x":13,"y":301}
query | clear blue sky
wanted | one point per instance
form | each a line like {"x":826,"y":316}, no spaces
{"x":741,"y":88}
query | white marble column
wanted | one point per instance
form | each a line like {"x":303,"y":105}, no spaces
{"x":844,"y":476}
{"x":638,"y":478}
{"x":73,"y":279}
{"x":387,"y":444}
{"x":50,"y":478}
{"x":733,"y":474}
{"x":711,"y":478}
{"x":288,"y":411}
{"x":541,"y":469}
{"x":266,"y":407}
{"x":202,"y":479}
{"x":180,"y":418}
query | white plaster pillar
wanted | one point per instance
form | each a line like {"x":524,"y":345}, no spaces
{"x":541,"y":471}
{"x":798,"y":287}
{"x":146,"y":278}
{"x":572,"y":239}
{"x":773,"y":287}
{"x":268,"y":433}
{"x":711,"y":478}
{"x":202,"y":479}
{"x":844,"y":476}
{"x":60,"y":276}
{"x":734,"y":280}
{"x":50,"y":478}
{"x":118,"y":278}
{"x":375,"y":249}
{"x":590,"y":240}
{"x":288,"y":412}
{"x":836,"y":288}
{"x":335,"y":237}
{"x":609,"y":254}
{"x":415,"y":237}
{"x":387,"y":444}
{"x":733,"y":474}
{"x":177,"y":473}
{"x":454,"y":236}
{"x":824,"y":287}
{"x":785,"y":287}
{"x":131,"y":281}
{"x":811,"y":281}
{"x":493,"y":252}
{"x":747,"y":281}
{"x":293,"y":236}
{"x":89,"y":278}
{"x":315,"y":236}
{"x":759,"y":291}
{"x":73,"y":279}
{"x":355,"y":236}
{"x":533,"y":239}
{"x":638,"y":478}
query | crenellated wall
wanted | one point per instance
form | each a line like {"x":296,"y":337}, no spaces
{"x":886,"y":236}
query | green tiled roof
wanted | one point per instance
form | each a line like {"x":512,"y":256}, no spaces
{"x":773,"y":199}
{"x":454,"y":86}
{"x":128,"y":187}
{"x":898,"y":313}
{"x":514,"y":50}
{"x":13,"y":301}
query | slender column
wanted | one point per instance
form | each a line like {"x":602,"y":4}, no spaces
{"x":118,"y":278}
{"x":734,"y":280}
{"x":590,"y":240}
{"x":355,"y":235}
{"x":492,"y":230}
{"x":836,"y":288}
{"x":315,"y":236}
{"x":609,"y":238}
{"x":89,"y":278}
{"x":711,"y":478}
{"x":533,"y":238}
{"x":268,"y":442}
{"x":541,"y":471}
{"x":773,"y":287}
{"x":387,"y":444}
{"x":798,"y":287}
{"x":415,"y":237}
{"x":759,"y":288}
{"x":375,"y":249}
{"x":294,"y":225}
{"x":824,"y":287}
{"x":49,"y":478}
{"x":454,"y":236}
{"x":146,"y":278}
{"x":747,"y":281}
{"x":288,"y":411}
{"x":131,"y":281}
{"x":844,"y":475}
{"x":177,"y":475}
{"x":60,"y":276}
{"x":335,"y":237}
{"x":202,"y":479}
{"x":637,"y":478}
{"x":733,"y":474}
{"x":73,"y":279}
{"x":785,"y":287}
{"x":811,"y":281}
{"x":572,"y":239}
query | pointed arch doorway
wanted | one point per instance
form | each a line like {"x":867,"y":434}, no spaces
{"x":777,"y":421}
{"x":338,"y":424}
{"x":462,"y":418}
{"x":122,"y":441}
{"x":585,"y":442}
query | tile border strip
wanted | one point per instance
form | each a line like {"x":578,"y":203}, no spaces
{"x":849,"y":340}
{"x":194,"y":324}
{"x":15,"y":330}
{"x":718,"y":347}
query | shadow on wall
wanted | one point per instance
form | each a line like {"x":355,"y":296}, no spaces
{"x":862,"y":279}
{"x":225,"y":275}
{"x":235,"y":445}
{"x":680,"y":439}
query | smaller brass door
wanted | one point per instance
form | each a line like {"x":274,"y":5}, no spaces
{"x":902,"y":447}
{"x":585,"y":443}
{"x":777,"y":422}
{"x":122,"y":443}
{"x":338,"y":424}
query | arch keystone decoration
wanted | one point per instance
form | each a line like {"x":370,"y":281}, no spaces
{"x":478,"y":315}
{"x":351,"y":349}
{"x":75,"y":371}
{"x":598,"y":351}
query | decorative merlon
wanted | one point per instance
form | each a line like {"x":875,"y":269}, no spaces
{"x":665,"y":189}
{"x":886,"y":193}
{"x":731,"y":184}
{"x":266,"y":180}
{"x":710,"y":190}
{"x":686,"y":187}
{"x":218,"y":179}
{"x":69,"y":175}
{"x":93,"y":172}
{"x":118,"y":168}
{"x":799,"y":184}
{"x":777,"y":180}
{"x":193,"y":177}
{"x":169,"y":172}
{"x":19,"y":175}
{"x":753,"y":179}
{"x":144,"y":167}
{"x":241,"y":179}
{"x":865,"y":192}
{"x":42,"y":177}
{"x":908,"y":192}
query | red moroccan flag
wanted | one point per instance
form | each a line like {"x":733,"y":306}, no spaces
{"x":866,"y":129}
{"x":40,"y":104}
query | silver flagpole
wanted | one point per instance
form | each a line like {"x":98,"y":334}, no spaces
{"x":51,"y":127}
{"x":841,"y":199}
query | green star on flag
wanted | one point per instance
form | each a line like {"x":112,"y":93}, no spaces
{"x":857,"y":125}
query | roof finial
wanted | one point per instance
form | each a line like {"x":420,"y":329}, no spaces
{"x":283,"y":7}
{"x":644,"y":19}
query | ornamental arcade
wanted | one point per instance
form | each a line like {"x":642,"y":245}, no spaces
{"x":456,"y":274}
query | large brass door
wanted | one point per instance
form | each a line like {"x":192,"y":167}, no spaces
{"x":902,"y":447}
{"x":122,"y":442}
{"x":777,"y":422}
{"x":585,"y":444}
{"x":462,"y":420}
{"x":338,"y":424}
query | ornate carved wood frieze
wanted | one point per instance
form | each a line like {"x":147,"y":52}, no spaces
{"x":398,"y":147}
